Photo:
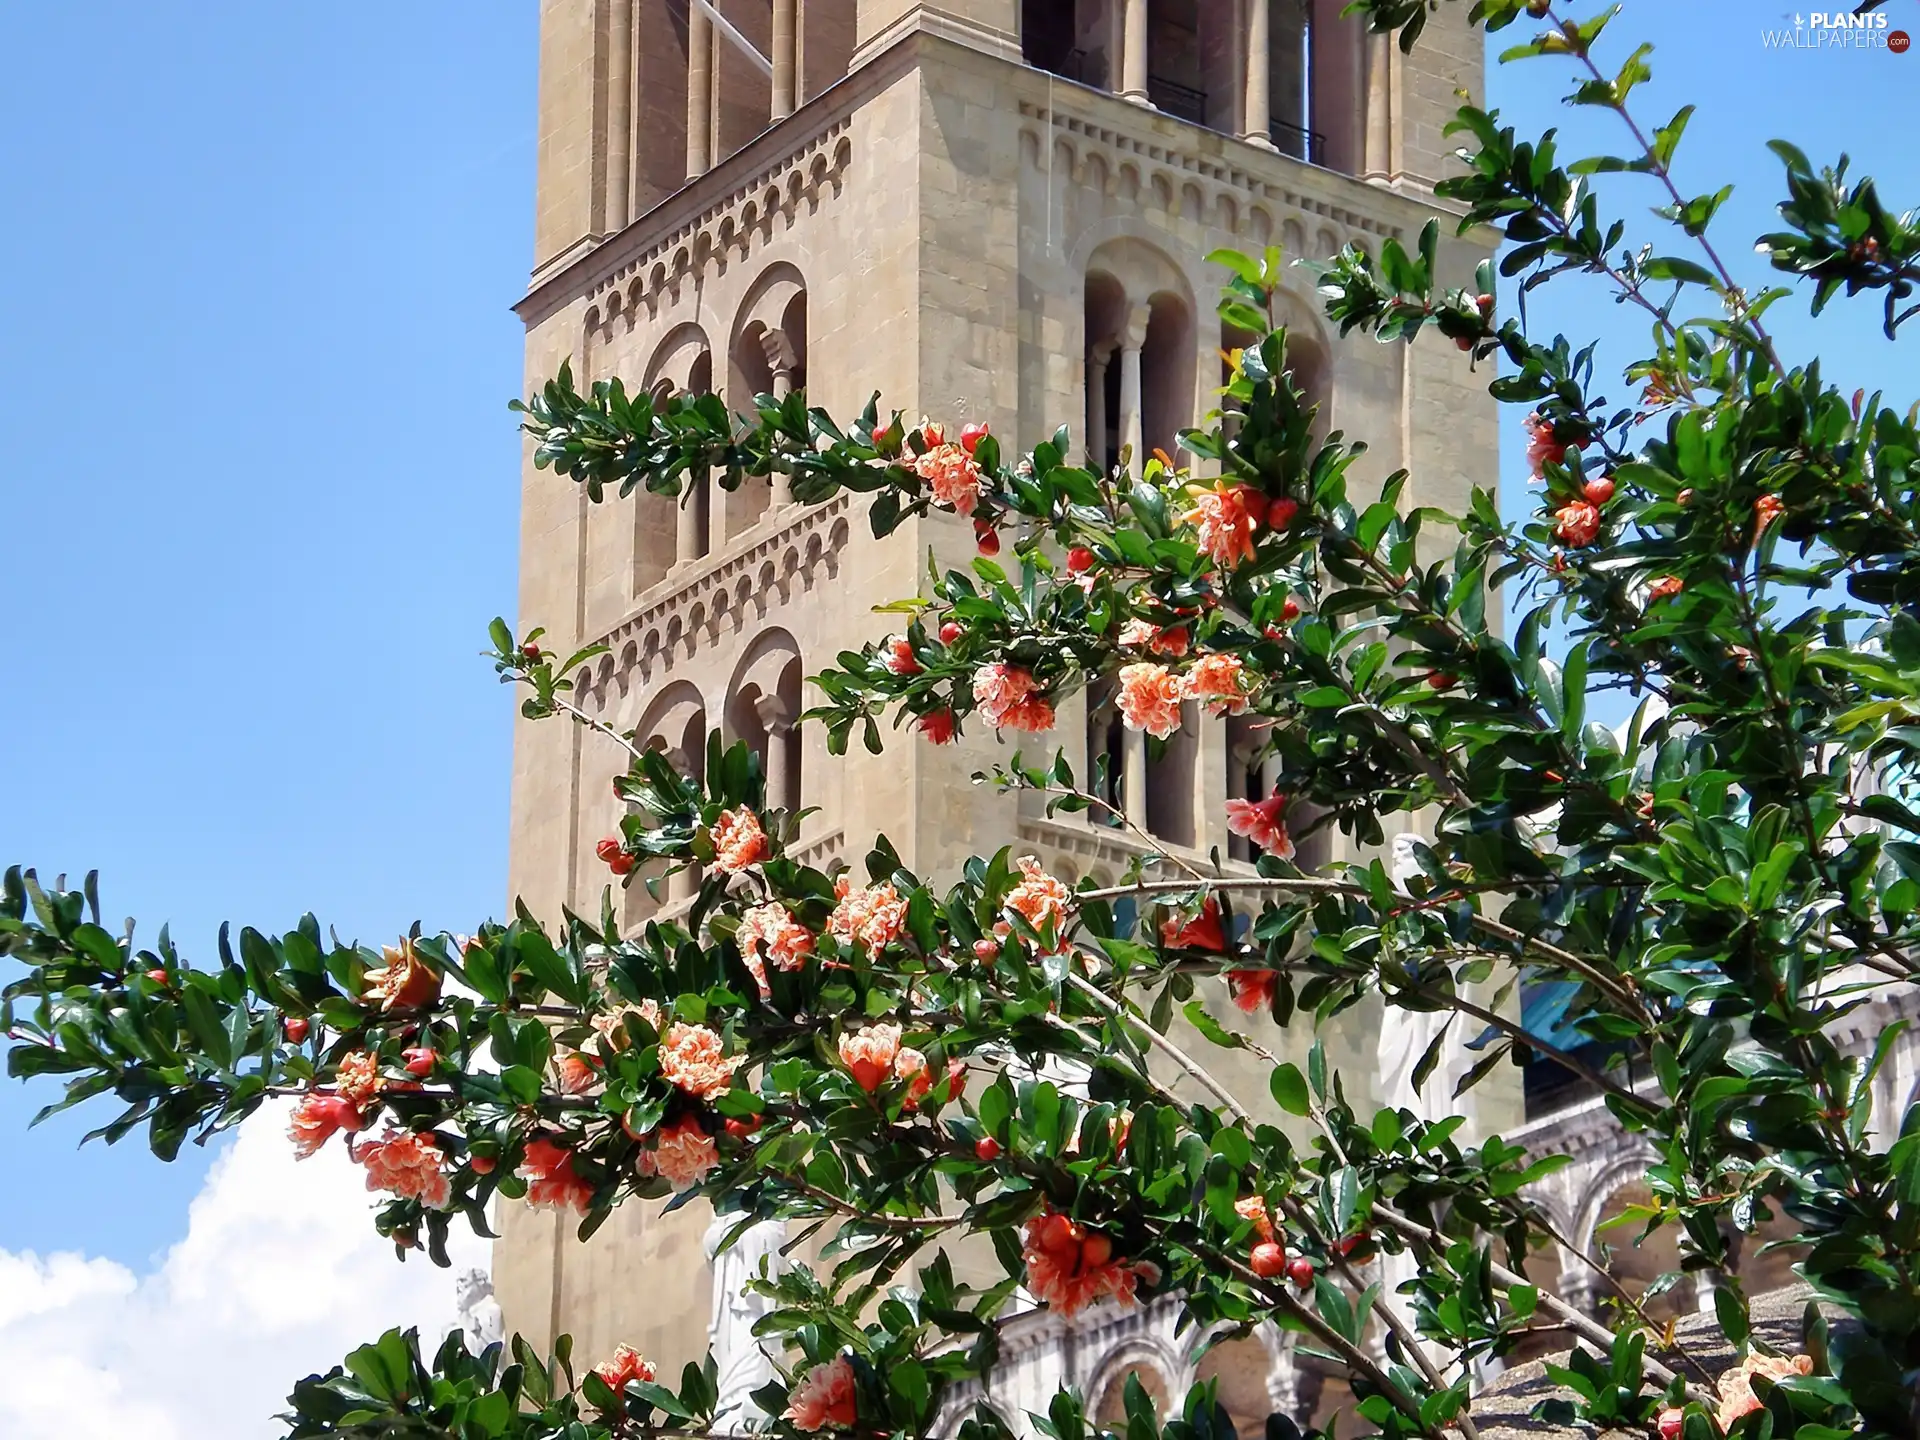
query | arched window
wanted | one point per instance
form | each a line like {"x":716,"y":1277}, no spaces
{"x":673,"y":531}
{"x":676,"y":725}
{"x":763,"y":708}
{"x":768,"y":356}
{"x":1106,"y":761}
{"x":1170,"y":781}
{"x":1141,"y":351}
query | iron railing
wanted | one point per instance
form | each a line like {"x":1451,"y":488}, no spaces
{"x":1298,"y":141}
{"x":1176,"y":99}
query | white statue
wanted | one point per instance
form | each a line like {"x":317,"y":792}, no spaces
{"x":479,"y":1312}
{"x":742,"y":1365}
{"x":1406,"y":1034}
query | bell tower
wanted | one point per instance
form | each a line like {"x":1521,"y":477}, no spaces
{"x":993,"y":210}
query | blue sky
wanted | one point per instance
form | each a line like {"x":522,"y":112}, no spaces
{"x":262,"y":488}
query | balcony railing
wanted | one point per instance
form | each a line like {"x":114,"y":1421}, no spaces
{"x":1176,"y":99}
{"x":1298,"y":141}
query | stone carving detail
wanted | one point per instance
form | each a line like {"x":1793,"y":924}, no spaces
{"x":729,"y":230}
{"x":692,"y":610}
{"x":742,"y":1365}
{"x":479,"y":1313}
{"x":1125,"y":162}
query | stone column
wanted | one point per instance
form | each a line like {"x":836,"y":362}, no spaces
{"x":1258,"y":121}
{"x":1097,"y":401}
{"x":1133,"y":767}
{"x":783,"y":58}
{"x":690,"y":527}
{"x":684,"y":884}
{"x":619,"y":114}
{"x":778,"y":719}
{"x":1133,"y":52}
{"x":780,"y":364}
{"x":1377,"y":163}
{"x":699,"y":91}
{"x":1132,"y":423}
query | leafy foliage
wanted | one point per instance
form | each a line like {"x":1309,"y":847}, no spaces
{"x":896,"y":1063}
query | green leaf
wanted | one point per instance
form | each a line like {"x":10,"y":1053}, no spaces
{"x":1290,"y":1089}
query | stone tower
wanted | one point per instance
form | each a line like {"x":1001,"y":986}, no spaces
{"x":985,"y":210}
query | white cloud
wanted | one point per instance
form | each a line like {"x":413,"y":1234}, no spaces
{"x":279,"y":1275}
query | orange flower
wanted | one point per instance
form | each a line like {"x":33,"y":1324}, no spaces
{"x":1224,"y":522}
{"x":1008,"y":697}
{"x":911,"y":1066}
{"x":1173,"y":642}
{"x":695,"y":1058}
{"x":1255,"y":1209}
{"x":1216,"y":679}
{"x":869,"y":1053}
{"x":1202,"y":932}
{"x":1262,"y":822}
{"x":1766,"y":510}
{"x":787,"y":941}
{"x":626,"y":1364}
{"x":738,"y":841}
{"x":404,"y":982}
{"x":1665,"y":588}
{"x":611,"y":1024}
{"x":577,"y":1076}
{"x":1149,"y":698}
{"x":1736,"y":1386}
{"x":316,"y":1118}
{"x":1252,"y":990}
{"x":1576,"y":523}
{"x":951,"y":475}
{"x":1032,"y":715}
{"x":824,"y":1397}
{"x":551,"y":1180}
{"x":1040,"y":898}
{"x":357,"y":1078}
{"x":1069,"y":1268}
{"x":684,"y":1153}
{"x":408,"y":1165}
{"x":1544,"y":447}
{"x":874,"y":915}
{"x":900,"y":659}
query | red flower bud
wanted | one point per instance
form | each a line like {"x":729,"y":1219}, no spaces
{"x":159,"y":977}
{"x":1300,"y":1271}
{"x":419,"y":1059}
{"x":1267,"y":1260}
{"x":1079,"y":560}
{"x":1485,"y":306}
{"x":1440,"y":681}
{"x":950,"y":631}
{"x":481,"y":1164}
{"x":295,"y":1029}
{"x":987,"y":1148}
{"x":623,"y":863}
{"x":972,"y":435}
{"x":607,"y":849}
{"x":986,"y":537}
{"x":1291,"y":610}
{"x":531,"y":651}
{"x":1095,"y":1251}
{"x":742,"y":1127}
{"x":1670,"y":1422}
{"x":1281,"y":513}
{"x":1598,"y":491}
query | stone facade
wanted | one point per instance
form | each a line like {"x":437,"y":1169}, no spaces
{"x":901,"y":202}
